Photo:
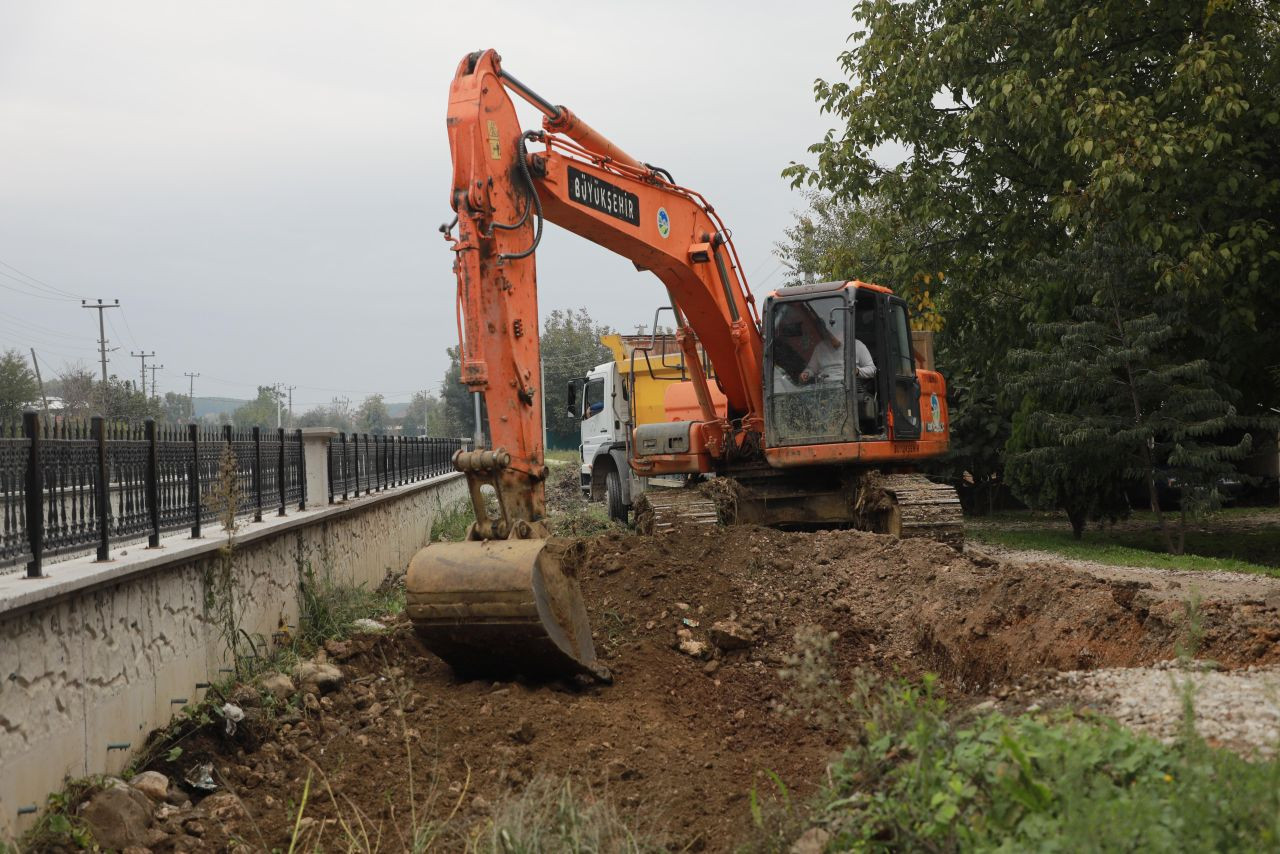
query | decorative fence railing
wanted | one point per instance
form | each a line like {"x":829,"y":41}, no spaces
{"x":76,"y":486}
{"x":360,"y":463}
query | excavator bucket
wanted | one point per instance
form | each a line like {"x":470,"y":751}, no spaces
{"x":501,"y":607}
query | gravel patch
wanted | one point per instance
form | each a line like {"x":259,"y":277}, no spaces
{"x":1238,"y":709}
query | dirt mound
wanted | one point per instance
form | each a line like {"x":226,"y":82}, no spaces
{"x":689,"y":727}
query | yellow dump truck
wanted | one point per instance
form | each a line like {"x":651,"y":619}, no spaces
{"x":645,"y":383}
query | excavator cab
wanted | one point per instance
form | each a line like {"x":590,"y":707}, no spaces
{"x":817,"y":390}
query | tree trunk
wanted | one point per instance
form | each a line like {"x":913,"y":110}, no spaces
{"x":1078,"y":519}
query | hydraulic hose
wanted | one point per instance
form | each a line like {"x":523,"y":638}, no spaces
{"x":522,"y":154}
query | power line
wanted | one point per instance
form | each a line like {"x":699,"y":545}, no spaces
{"x":41,"y":283}
{"x":25,"y":324}
{"x":124,"y":315}
{"x":29,"y":293}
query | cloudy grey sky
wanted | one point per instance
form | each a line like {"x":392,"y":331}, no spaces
{"x":260,"y":183}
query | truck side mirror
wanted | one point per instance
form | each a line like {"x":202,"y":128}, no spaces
{"x":571,"y":395}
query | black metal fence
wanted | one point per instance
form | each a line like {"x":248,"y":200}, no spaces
{"x":360,"y":463}
{"x":73,"y":486}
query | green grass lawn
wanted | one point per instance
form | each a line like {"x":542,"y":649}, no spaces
{"x":1235,"y":540}
{"x":564,"y":456}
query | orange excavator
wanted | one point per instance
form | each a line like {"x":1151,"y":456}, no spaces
{"x":814,"y":408}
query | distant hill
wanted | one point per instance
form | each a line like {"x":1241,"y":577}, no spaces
{"x":216,"y":405}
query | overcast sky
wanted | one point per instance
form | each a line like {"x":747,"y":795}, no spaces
{"x":260,"y":184}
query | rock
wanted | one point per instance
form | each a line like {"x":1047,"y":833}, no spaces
{"x":222,"y":806}
{"x":616,"y":769}
{"x":153,"y":784}
{"x":812,"y":841}
{"x":728,"y":635}
{"x":711,"y":667}
{"x":364,"y":624}
{"x":523,"y":733}
{"x":480,"y":804}
{"x":194,"y":827}
{"x":278,"y":685}
{"x":246,"y":696}
{"x":693,"y":648}
{"x":340,"y":650}
{"x":318,"y":677}
{"x":118,"y":816}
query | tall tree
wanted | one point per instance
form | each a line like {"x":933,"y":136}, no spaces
{"x":1028,"y":124}
{"x":1110,"y":394}
{"x":77,"y":388}
{"x":372,"y":416}
{"x":18,"y":387}
{"x":261,"y":411}
{"x":570,"y":347}
{"x":456,"y":397}
{"x":424,"y":416}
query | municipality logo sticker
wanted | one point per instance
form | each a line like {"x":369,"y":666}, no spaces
{"x":664,"y":222}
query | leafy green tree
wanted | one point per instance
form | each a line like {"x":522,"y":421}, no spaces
{"x":372,"y":416}
{"x":1026,"y":125}
{"x":1110,"y":394}
{"x":175,"y":408}
{"x":1046,"y":470}
{"x":126,"y":402}
{"x":570,"y":347}
{"x":456,"y":397}
{"x":18,"y":387}
{"x":78,"y":389}
{"x":262,"y":411}
{"x":425,"y":416}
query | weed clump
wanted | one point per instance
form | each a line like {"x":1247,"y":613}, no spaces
{"x":920,"y":776}
{"x":559,"y":815}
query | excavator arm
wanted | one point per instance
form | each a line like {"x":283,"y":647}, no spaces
{"x":502,"y":600}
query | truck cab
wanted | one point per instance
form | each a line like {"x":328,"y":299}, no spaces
{"x":600,"y":401}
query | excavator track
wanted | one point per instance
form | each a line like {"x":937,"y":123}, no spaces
{"x":918,"y":507}
{"x":667,"y":508}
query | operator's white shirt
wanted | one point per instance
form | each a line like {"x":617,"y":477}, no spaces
{"x":862,"y":356}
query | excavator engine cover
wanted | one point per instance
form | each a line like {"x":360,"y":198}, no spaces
{"x":501,"y":606}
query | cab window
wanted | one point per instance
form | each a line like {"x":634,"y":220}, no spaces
{"x":592,"y":399}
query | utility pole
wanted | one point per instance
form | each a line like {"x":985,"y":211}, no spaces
{"x":102,"y":342}
{"x":290,"y":389}
{"x":191,"y":395}
{"x":143,"y":357}
{"x":277,"y":395}
{"x":44,"y":397}
{"x":153,"y":370}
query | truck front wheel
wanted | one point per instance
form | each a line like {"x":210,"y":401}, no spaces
{"x":613,"y":487}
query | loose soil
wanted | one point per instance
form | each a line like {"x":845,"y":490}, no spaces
{"x":678,"y":742}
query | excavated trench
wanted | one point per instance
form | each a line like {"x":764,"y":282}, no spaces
{"x":696,"y":717}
